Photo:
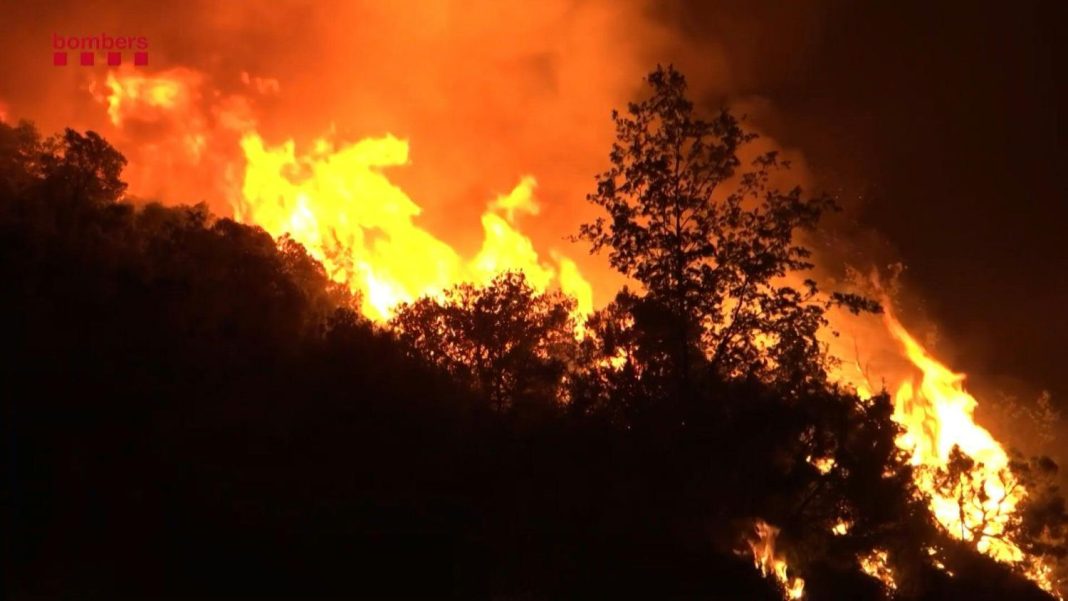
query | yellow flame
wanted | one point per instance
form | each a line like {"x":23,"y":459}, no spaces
{"x":339,"y":204}
{"x":770,"y":563}
{"x":574,"y":285}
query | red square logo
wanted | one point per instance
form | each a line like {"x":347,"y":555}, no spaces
{"x":140,"y":59}
{"x":59,"y":59}
{"x":88,"y":58}
{"x":114,"y":59}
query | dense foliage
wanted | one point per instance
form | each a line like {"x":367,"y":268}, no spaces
{"x":191,"y":410}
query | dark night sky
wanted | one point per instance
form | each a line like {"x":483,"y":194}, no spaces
{"x":946,"y":122}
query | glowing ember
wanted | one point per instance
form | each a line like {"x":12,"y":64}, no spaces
{"x":931,"y":551}
{"x":841,"y":527}
{"x":822,"y":464}
{"x":768,"y":562}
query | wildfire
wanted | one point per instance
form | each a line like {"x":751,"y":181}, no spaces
{"x":334,"y":199}
{"x":874,"y":564}
{"x":768,"y":562}
{"x":976,"y":503}
{"x":337,"y":200}
{"x":938,"y":416}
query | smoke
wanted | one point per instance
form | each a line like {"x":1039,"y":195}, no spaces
{"x":484,"y":92}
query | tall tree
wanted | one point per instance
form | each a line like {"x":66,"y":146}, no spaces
{"x":714,"y":245}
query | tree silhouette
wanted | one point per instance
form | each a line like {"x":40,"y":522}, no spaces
{"x":85,"y":166}
{"x":710,"y":243}
{"x":627,"y":370}
{"x":506,"y":340}
{"x":21,"y":154}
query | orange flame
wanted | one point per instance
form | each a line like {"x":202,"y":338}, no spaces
{"x":769,"y":563}
{"x":937,"y":415}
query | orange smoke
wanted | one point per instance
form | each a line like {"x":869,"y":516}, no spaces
{"x":181,"y":139}
{"x":134,"y":95}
